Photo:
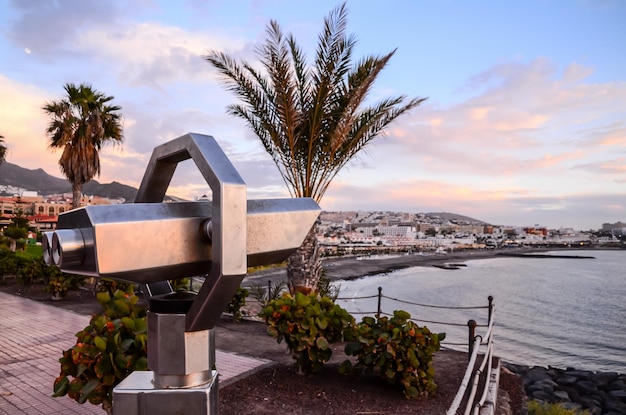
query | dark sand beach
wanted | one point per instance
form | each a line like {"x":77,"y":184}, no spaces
{"x":349,"y":268}
{"x":346,"y":268}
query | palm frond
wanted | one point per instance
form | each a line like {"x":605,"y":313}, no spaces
{"x":312,"y":120}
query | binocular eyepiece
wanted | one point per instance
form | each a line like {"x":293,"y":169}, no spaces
{"x":66,"y":248}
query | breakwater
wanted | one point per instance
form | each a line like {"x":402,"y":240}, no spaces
{"x":600,"y":393}
{"x":533,"y":255}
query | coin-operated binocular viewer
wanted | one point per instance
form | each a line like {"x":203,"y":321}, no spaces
{"x":150,"y":242}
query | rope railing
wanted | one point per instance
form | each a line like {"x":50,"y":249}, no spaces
{"x":357,"y":298}
{"x":476,"y":342}
{"x":381,"y":296}
{"x":434,"y":306}
{"x":483,"y":398}
{"x":379,"y":312}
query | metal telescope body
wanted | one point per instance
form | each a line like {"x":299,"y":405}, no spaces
{"x":149,"y":242}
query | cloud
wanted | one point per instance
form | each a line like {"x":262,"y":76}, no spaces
{"x":612,"y":134}
{"x":606,"y":167}
{"x":139,"y":53}
{"x":516,"y":122}
{"x":64,"y":21}
{"x":23,"y":126}
{"x":153,"y":55}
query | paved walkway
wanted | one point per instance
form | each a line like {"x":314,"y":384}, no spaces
{"x":32,"y":339}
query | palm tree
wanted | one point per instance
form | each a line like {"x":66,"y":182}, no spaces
{"x":312,"y":120}
{"x":81,"y":123}
{"x":3,"y":149}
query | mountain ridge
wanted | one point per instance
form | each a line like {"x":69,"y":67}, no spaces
{"x":45,"y":184}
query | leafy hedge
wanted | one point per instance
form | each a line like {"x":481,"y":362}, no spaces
{"x":396,"y":349}
{"x":308,"y":325}
{"x":106,"y":351}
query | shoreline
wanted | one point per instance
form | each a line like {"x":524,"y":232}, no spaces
{"x":351,"y":268}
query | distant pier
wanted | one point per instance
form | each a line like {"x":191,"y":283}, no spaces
{"x":519,"y":255}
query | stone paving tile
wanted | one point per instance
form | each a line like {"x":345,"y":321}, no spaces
{"x":32,"y":338}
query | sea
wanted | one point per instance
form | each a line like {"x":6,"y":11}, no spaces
{"x":559,"y":312}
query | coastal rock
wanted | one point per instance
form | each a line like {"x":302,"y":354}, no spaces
{"x":562,"y":396}
{"x":618,"y":394}
{"x":600,"y":393}
{"x":536,"y":374}
{"x":603,"y":379}
{"x":567,"y":380}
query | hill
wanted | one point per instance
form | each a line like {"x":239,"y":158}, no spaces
{"x":45,"y":184}
{"x":453,"y":217}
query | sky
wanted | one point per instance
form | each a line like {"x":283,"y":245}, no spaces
{"x":524,"y":125}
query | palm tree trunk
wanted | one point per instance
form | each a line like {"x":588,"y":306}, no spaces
{"x":304,"y":267}
{"x":77,"y":192}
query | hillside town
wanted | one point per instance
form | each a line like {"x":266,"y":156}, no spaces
{"x":41,"y":211}
{"x":343,"y":233}
{"x":357,"y":232}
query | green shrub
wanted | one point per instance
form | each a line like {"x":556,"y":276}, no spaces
{"x":396,"y":349}
{"x":325,"y":288}
{"x":237,"y":303}
{"x":539,"y":408}
{"x":110,"y":286}
{"x":106,"y":351}
{"x":9,"y":264}
{"x":265,"y":295}
{"x":308,"y":325}
{"x":180,"y":284}
{"x":31,"y":271}
{"x":59,"y":283}
{"x":17,"y":235}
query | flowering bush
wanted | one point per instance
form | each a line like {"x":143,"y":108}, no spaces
{"x":307,"y":324}
{"x":59,"y":283}
{"x":106,"y":351}
{"x":398,"y":350}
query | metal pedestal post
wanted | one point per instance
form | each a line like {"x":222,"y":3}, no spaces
{"x":137,"y":395}
{"x":183,"y":379}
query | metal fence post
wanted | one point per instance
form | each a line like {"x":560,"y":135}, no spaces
{"x":380,"y":295}
{"x":490,"y":298}
{"x":472,"y":335}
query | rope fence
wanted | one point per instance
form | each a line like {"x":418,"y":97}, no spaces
{"x":379,"y":297}
{"x":379,"y":312}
